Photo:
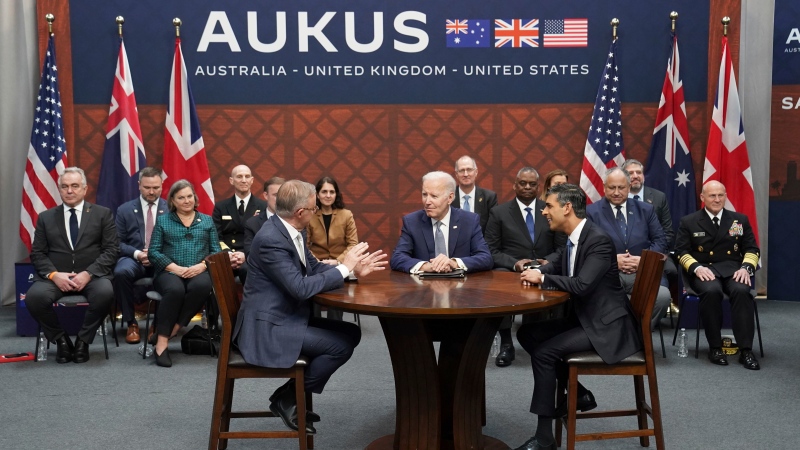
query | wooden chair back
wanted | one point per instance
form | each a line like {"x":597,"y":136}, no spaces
{"x":645,"y":290}
{"x":224,"y":283}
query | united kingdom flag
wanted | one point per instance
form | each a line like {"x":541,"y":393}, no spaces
{"x":184,"y":151}
{"x":123,"y":154}
{"x":516,"y":33}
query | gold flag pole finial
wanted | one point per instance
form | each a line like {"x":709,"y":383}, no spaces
{"x":50,"y":19}
{"x":725,"y":22}
{"x":120,"y":20}
{"x":614,"y":25}
{"x":177,"y":22}
{"x":673,"y":16}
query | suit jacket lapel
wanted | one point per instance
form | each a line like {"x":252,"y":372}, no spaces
{"x":629,"y":221}
{"x":426,"y":228}
{"x":60,"y":223}
{"x":478,"y":202}
{"x":85,"y":217}
{"x":453,"y":237}
{"x":608,"y":213}
{"x":285,"y":232}
{"x":725,"y":223}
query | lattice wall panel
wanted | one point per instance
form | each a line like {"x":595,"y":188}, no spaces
{"x":378,"y":153}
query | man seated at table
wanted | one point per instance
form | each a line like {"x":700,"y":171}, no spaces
{"x":274,"y":326}
{"x":600,"y":317}
{"x":440,"y":238}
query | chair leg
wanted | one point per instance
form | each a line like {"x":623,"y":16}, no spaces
{"x":697,"y":334}
{"x":661,"y":336}
{"x":147,"y":329}
{"x":655,"y":405}
{"x":105,"y":341}
{"x":572,"y":407}
{"x":300,"y":398}
{"x":758,"y":328}
{"x":641,"y":412}
{"x":680,"y":317}
{"x":36,"y":350}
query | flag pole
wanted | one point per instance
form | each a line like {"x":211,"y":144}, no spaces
{"x":725,"y":21}
{"x":50,"y":19}
{"x":614,"y":25}
{"x":177,"y":23}
{"x":120,"y":20}
{"x":673,"y":16}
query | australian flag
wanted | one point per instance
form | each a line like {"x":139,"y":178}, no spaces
{"x":669,"y":164}
{"x":604,"y":146}
{"x":472,"y":33}
{"x":123,"y":153}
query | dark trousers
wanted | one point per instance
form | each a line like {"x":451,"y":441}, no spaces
{"x":181,"y":299}
{"x":126,"y":272}
{"x":42,"y":294}
{"x":711,"y":294}
{"x":329,"y":344}
{"x":547,"y":343}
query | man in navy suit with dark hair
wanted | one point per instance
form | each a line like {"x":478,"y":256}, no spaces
{"x":637,"y":229}
{"x":135,"y":221}
{"x":274,"y":326}
{"x":440,"y":238}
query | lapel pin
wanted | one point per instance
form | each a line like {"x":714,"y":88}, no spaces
{"x":455,"y":226}
{"x":136,"y":210}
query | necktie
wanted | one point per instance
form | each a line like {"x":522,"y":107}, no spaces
{"x":623,"y":225}
{"x":298,"y":243}
{"x":529,"y":223}
{"x":73,"y":227}
{"x":569,"y":257}
{"x":636,"y":197}
{"x":148,"y":225}
{"x":241,"y":208}
{"x":440,"y":248}
{"x":716,"y":222}
{"x":466,"y":204}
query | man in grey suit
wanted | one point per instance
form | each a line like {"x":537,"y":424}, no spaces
{"x":470,"y":197}
{"x":74,"y":250}
{"x":518,"y":234}
{"x":274,"y":326}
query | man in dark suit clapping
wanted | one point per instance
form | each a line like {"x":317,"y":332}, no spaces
{"x":600,"y":317}
{"x":518,"y":234}
{"x":74,"y":250}
{"x":135,"y":222}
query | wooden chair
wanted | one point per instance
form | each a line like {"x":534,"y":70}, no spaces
{"x":232,"y":366}
{"x":70,"y":301}
{"x":689,"y":296}
{"x":639,"y":365}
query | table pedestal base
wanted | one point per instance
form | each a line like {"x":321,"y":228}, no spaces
{"x":387,"y":443}
{"x":440,"y":404}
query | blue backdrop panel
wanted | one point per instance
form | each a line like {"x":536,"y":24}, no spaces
{"x":298,"y":52}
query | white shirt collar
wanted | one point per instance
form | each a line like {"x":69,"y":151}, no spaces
{"x":445,"y":221}
{"x":78,"y":208}
{"x":522,"y":206}
{"x":292,"y":230}
{"x":640,"y":194}
{"x":246,"y":200}
{"x":718,"y":215}
{"x":576,"y":233}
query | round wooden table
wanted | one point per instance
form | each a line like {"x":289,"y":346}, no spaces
{"x":440,"y":404}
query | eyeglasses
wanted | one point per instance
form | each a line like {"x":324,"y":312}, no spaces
{"x":466,"y":171}
{"x":313,"y":210}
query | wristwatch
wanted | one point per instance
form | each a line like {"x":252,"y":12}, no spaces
{"x":749,"y":269}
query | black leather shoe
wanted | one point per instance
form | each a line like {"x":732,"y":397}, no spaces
{"x":717,"y":357}
{"x":311,"y":416}
{"x":81,"y":354}
{"x":506,"y":355}
{"x":748,"y":360}
{"x":285,"y":407}
{"x":65,"y":350}
{"x":163,"y":359}
{"x":533,"y":444}
{"x":586,"y":402}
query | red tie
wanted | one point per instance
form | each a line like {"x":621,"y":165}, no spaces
{"x":148,"y":225}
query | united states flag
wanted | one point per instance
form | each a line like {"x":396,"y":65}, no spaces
{"x":604,"y":147}
{"x":516,"y":32}
{"x":566,"y":33}
{"x":47,"y":153}
{"x":669,"y":164}
{"x":123,"y":154}
{"x":184,"y":151}
{"x":727,"y":160}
